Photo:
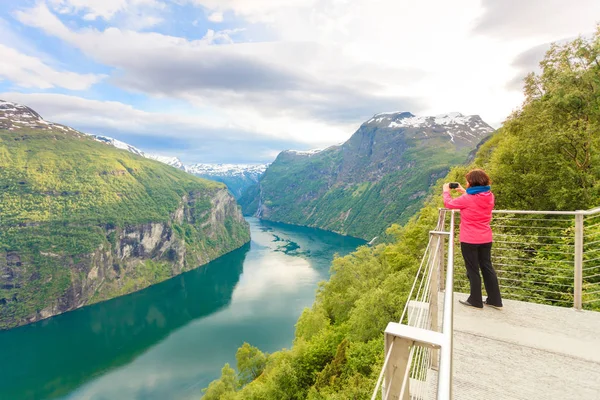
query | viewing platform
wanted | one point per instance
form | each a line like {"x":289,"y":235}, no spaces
{"x":525,"y":351}
{"x":543,"y":344}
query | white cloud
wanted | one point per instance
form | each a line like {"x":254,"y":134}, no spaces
{"x":116,"y":116}
{"x":105,"y":9}
{"x":286,"y":97}
{"x":216,"y":17}
{"x":256,"y":10}
{"x":31,"y":72}
{"x":77,"y":111}
{"x":331,"y":62}
{"x":545,"y":20}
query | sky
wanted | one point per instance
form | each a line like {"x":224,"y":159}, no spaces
{"x":238,"y":81}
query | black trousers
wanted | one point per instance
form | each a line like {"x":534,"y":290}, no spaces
{"x":479,"y":256}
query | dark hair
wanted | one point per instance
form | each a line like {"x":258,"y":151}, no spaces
{"x":478,"y":177}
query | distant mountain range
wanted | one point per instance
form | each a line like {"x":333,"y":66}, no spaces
{"x":237,"y":177}
{"x":381,"y":175}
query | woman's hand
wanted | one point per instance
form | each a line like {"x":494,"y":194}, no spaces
{"x":461,"y":189}
{"x":446,"y":187}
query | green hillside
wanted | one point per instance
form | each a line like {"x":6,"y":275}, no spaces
{"x":81,"y":221}
{"x":380,"y":176}
{"x":546,"y":156}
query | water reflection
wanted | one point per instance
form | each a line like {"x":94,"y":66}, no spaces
{"x":169,"y":341}
{"x":50,"y":358}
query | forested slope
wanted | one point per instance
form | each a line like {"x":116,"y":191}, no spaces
{"x":546,"y":156}
{"x":82,"y":222}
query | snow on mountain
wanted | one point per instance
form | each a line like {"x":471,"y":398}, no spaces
{"x":237,"y":177}
{"x":14,"y":116}
{"x":172,"y":161}
{"x":311,"y":152}
{"x":118,"y":144}
{"x":226,"y":169}
{"x":469,"y":128}
{"x":305,"y":152}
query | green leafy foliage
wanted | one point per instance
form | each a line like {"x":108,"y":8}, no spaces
{"x":545,"y":157}
{"x":250,"y":363}
{"x":224,"y":387}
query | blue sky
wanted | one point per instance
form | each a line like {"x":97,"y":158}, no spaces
{"x":238,"y":81}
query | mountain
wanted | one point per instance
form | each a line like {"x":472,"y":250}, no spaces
{"x":237,"y":177}
{"x":172,"y":161}
{"x":82,"y":222}
{"x":119,"y":145}
{"x":381,"y":175}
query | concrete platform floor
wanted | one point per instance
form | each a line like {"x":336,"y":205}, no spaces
{"x":525,"y":351}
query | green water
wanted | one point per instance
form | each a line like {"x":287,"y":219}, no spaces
{"x":170,"y":340}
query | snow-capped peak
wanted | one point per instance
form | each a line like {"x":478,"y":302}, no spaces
{"x":172,"y":161}
{"x":468,"y":128}
{"x":304,"y":152}
{"x":118,"y":144}
{"x":14,"y":116}
{"x":226,"y":169}
{"x":454,"y":118}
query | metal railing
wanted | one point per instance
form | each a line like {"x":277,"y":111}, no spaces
{"x":418,"y":350}
{"x":549,"y":257}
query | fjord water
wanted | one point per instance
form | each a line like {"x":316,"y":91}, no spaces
{"x":170,"y":340}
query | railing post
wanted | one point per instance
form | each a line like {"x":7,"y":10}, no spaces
{"x":578,"y":276}
{"x":442,"y":264}
{"x":434,"y":289}
{"x":445,"y":372}
{"x":396,"y":368}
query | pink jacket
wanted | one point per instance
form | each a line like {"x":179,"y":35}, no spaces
{"x":475,"y":216}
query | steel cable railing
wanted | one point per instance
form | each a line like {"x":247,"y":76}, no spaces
{"x":590,"y":298}
{"x":417,"y":378}
{"x":549,"y":257}
{"x":535,"y":256}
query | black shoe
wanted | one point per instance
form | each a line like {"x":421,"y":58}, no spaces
{"x":466,"y":303}
{"x":492,"y":305}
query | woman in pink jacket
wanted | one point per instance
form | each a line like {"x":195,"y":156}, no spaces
{"x":476,"y":205}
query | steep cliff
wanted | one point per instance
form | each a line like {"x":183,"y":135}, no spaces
{"x":381,"y":175}
{"x":82,"y":222}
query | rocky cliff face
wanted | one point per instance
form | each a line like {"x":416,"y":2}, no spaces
{"x":130,"y":258}
{"x":82,"y":222}
{"x":380,"y":176}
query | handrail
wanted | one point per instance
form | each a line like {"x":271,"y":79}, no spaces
{"x":445,"y":371}
{"x":573,"y":251}
{"x":536,"y":251}
{"x":412,"y":345}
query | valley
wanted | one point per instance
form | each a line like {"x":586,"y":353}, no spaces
{"x":380,"y":176}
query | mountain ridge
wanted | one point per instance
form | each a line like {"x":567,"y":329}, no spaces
{"x":237,"y":177}
{"x":82,"y":222}
{"x":379,"y":176}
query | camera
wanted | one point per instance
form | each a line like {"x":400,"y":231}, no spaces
{"x":454,"y":185}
